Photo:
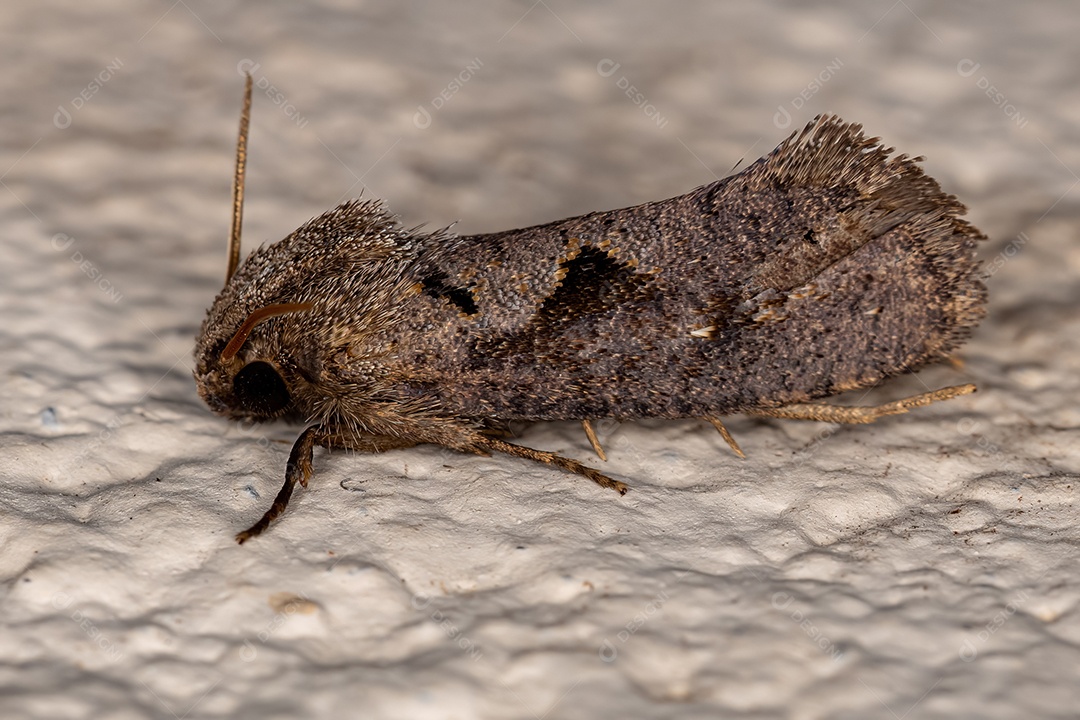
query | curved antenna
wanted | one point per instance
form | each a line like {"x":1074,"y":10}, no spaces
{"x":238,"y":182}
{"x":254,"y":319}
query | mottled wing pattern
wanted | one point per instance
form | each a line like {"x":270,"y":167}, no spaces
{"x":825,"y":266}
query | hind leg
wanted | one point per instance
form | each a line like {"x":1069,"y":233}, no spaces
{"x":824,"y":412}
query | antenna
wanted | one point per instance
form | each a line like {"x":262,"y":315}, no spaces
{"x":238,"y":182}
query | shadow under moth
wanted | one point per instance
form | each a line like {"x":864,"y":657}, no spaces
{"x":827,"y":265}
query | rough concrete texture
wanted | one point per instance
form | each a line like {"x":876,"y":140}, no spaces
{"x":924,"y":566}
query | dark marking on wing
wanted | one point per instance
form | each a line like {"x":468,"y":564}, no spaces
{"x":594,"y":287}
{"x":594,"y":283}
{"x":437,"y":285}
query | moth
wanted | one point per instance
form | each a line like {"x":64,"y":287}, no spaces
{"x":828,"y":265}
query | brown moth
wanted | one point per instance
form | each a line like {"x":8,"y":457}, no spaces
{"x":827,"y":265}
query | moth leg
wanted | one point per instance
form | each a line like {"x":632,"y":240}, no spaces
{"x":297,"y":470}
{"x":837,"y":414}
{"x":727,"y":436}
{"x":593,"y":440}
{"x":493,"y":444}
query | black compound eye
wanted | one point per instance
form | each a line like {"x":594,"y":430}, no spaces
{"x":260,"y":389}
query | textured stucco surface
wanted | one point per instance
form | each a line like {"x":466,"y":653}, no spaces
{"x":925,"y":566}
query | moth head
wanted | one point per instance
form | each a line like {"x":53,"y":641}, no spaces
{"x":253,"y":384}
{"x":263,"y":348}
{"x":248,"y":377}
